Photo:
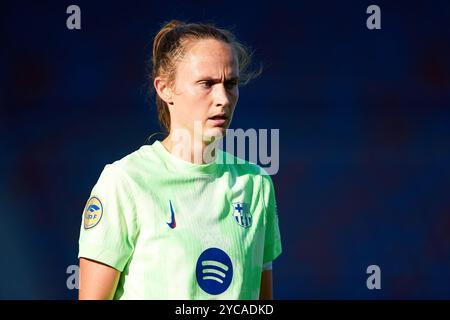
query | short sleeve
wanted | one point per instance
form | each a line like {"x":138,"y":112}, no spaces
{"x":272,"y":241}
{"x":108,"y":226}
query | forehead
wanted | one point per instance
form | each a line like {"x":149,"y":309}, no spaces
{"x":210,"y":58}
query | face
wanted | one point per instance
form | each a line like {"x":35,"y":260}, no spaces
{"x":205,"y":88}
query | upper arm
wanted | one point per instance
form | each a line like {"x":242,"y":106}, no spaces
{"x":272,"y":239}
{"x":107,"y":235}
{"x":265,"y":292}
{"x":97,"y":280}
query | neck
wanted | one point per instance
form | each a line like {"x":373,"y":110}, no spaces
{"x":191,"y":150}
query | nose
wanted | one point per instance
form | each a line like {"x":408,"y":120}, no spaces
{"x":221,"y":96}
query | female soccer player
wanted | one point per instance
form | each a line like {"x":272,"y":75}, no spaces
{"x":164,"y":222}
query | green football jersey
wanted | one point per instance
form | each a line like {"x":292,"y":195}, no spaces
{"x":179,"y":230}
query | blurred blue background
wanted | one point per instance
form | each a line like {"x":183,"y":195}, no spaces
{"x":364,"y":119}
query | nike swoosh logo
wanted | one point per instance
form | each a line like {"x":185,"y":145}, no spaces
{"x":172,"y":224}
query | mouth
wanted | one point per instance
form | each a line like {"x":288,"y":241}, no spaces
{"x":218,"y":120}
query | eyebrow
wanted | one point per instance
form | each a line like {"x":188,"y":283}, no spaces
{"x":234,"y":78}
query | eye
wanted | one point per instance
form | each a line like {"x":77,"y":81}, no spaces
{"x":206,"y":84}
{"x":230,"y":84}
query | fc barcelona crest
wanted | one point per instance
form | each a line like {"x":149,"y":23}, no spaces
{"x":241,"y":213}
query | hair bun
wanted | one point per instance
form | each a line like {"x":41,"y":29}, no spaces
{"x":172,"y":24}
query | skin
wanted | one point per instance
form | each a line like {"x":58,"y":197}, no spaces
{"x":98,"y":281}
{"x":266,"y":292}
{"x":205,"y":85}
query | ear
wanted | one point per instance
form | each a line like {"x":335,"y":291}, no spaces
{"x":163,"y":90}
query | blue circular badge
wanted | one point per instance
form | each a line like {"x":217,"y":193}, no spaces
{"x":214,"y":271}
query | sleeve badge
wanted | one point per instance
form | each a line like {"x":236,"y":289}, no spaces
{"x":92,"y":212}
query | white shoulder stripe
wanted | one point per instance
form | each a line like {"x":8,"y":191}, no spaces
{"x":267,"y":266}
